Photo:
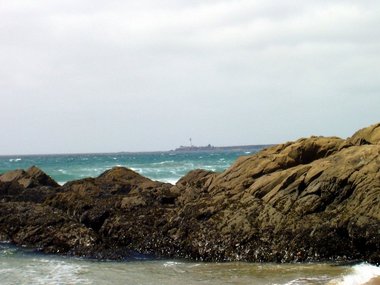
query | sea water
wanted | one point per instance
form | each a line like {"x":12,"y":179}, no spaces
{"x":24,"y":266}
{"x":21,"y":266}
{"x":162,"y":166}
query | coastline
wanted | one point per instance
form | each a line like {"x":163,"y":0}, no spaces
{"x":199,"y":149}
{"x":243,"y":148}
{"x":295,"y":202}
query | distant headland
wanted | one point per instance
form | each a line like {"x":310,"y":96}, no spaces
{"x":209,"y":147}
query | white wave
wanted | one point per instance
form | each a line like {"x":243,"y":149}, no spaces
{"x":209,"y":167}
{"x":307,"y":280}
{"x":175,"y":266}
{"x":14,"y":159}
{"x":170,"y":180}
{"x":57,"y":272}
{"x":164,"y":162}
{"x":359,"y":274}
{"x":171,"y":263}
{"x":43,"y":271}
{"x":138,"y":170}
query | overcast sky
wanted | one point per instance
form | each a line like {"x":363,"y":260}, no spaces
{"x":108,"y":76}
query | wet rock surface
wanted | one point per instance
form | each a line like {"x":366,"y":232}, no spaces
{"x":310,"y":200}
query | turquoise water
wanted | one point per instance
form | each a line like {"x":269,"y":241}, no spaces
{"x":162,"y":166}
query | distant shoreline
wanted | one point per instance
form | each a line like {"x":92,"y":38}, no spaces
{"x":177,"y":150}
{"x":220,"y":148}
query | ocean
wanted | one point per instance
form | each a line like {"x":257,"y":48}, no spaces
{"x":162,"y":166}
{"x":25,"y":266}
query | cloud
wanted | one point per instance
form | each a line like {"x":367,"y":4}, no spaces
{"x":148,"y":74}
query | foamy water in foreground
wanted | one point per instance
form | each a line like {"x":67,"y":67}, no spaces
{"x":18,"y":266}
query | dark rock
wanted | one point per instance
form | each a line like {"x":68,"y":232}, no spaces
{"x":45,"y":228}
{"x":31,"y":185}
{"x":32,"y":177}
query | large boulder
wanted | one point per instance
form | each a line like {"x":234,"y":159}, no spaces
{"x":48,"y":229}
{"x":324,"y":209}
{"x":26,"y":185}
{"x":32,"y":177}
{"x":369,"y":135}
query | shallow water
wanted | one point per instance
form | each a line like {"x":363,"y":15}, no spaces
{"x":18,"y":266}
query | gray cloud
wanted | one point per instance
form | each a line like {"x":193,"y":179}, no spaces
{"x":143,"y":75}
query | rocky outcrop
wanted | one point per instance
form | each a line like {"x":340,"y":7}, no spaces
{"x":31,"y":185}
{"x":370,"y":135}
{"x":313,"y":199}
{"x":30,"y":178}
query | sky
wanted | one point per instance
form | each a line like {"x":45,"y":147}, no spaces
{"x":109,"y":76}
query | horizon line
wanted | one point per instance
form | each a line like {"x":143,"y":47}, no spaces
{"x":122,"y":152}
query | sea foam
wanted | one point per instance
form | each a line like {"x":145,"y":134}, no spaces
{"x":359,"y":275}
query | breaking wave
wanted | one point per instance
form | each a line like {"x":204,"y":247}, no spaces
{"x":360,"y":274}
